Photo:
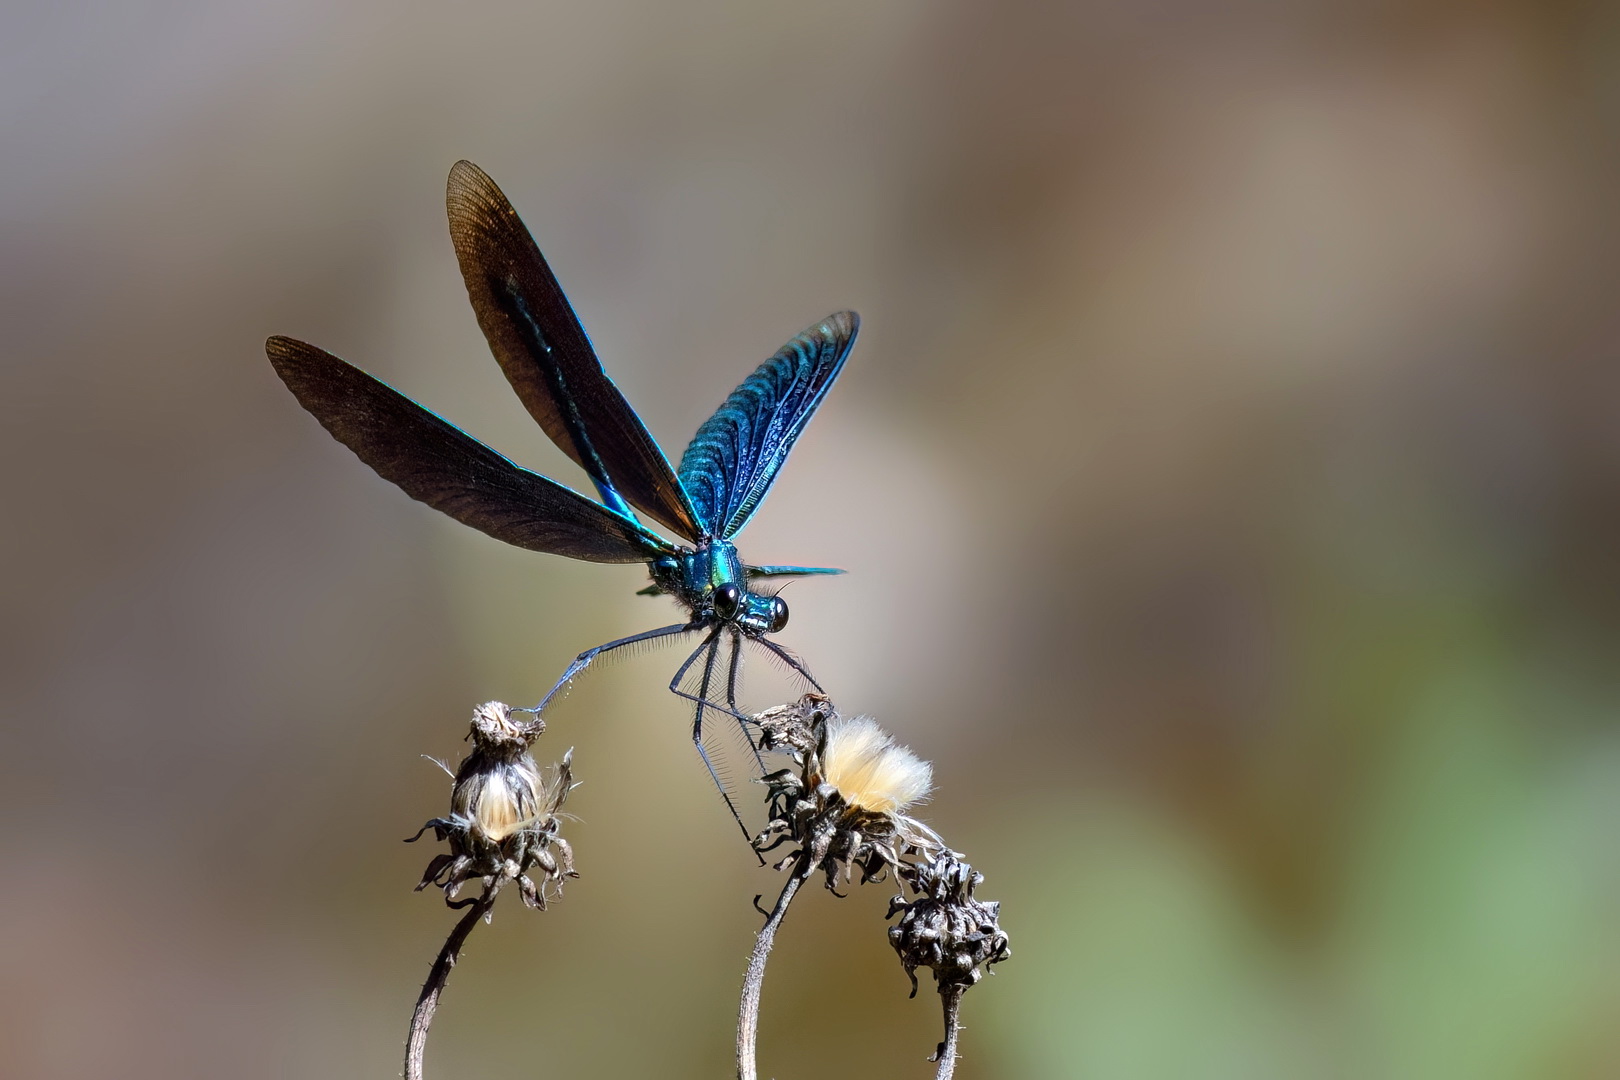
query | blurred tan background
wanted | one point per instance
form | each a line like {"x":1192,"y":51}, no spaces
{"x":1228,"y":475}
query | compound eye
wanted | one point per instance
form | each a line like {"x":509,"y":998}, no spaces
{"x":727,"y":598}
{"x":779,"y":614}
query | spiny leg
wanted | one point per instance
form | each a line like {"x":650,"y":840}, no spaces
{"x":697,"y":717}
{"x":731,"y":698}
{"x":710,"y":651}
{"x":791,"y":661}
{"x":701,"y":699}
{"x":736,"y":662}
{"x":583,"y":660}
{"x":707,"y":649}
{"x":680,"y":672}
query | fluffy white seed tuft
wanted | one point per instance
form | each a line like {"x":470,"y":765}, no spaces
{"x":870,"y":770}
{"x":499,"y":811}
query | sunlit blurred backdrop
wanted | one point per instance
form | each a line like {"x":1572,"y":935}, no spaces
{"x":1228,"y":475}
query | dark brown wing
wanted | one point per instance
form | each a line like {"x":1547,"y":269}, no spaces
{"x":435,"y":462}
{"x":549,"y":361}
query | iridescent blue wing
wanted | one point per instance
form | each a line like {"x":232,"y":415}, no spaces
{"x":547,"y":358}
{"x":435,"y":462}
{"x":735,"y":455}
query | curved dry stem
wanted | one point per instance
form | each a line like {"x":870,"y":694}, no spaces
{"x":951,"y":998}
{"x":748,"y":1014}
{"x":428,"y":1003}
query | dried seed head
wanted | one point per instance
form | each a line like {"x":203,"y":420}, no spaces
{"x":497,"y":788}
{"x":503,"y":819}
{"x":841,"y":803}
{"x":945,"y":929}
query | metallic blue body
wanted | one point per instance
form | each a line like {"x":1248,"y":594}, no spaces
{"x":692,"y":575}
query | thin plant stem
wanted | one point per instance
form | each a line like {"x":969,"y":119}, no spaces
{"x":951,"y":998}
{"x":748,"y":1014}
{"x":428,"y":1003}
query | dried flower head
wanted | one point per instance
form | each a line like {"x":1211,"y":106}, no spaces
{"x":945,"y":929}
{"x":843,"y":800}
{"x":503,"y":819}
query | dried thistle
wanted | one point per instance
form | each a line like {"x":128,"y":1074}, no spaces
{"x":949,"y":931}
{"x":503,"y":824}
{"x":503,"y":819}
{"x":842,"y":805}
{"x":946,"y":929}
{"x":843,"y":800}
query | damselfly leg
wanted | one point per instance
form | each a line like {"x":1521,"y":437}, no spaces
{"x":714,"y":753}
{"x":722,"y":732}
{"x":584,"y":659}
{"x":793,"y":663}
{"x":720,"y":729}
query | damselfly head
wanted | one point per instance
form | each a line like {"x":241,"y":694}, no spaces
{"x":752,"y":611}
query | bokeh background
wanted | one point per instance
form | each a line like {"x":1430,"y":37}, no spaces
{"x":1227,"y":475}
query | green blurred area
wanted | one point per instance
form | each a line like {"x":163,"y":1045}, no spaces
{"x":1228,"y":476}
